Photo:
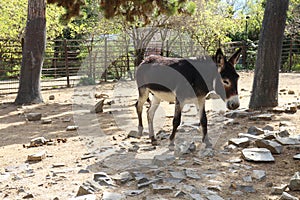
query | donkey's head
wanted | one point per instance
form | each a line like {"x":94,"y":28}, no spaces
{"x":229,"y":77}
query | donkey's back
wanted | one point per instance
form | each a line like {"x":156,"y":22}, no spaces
{"x":171,"y":78}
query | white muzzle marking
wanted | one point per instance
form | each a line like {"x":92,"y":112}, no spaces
{"x":233,"y":102}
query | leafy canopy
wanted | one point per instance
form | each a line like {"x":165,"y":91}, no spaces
{"x":145,"y":10}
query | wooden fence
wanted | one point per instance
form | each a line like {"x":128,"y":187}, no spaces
{"x":67,"y":62}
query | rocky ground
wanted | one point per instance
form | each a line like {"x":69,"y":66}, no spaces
{"x":73,"y":153}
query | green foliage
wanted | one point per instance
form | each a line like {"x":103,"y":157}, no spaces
{"x":14,"y":72}
{"x":211,"y":23}
{"x":293,"y":19}
{"x":87,"y":81}
{"x":251,"y":54}
{"x":12,"y":18}
{"x":145,"y":10}
{"x":250,"y":16}
{"x":14,"y":15}
{"x":72,"y":7}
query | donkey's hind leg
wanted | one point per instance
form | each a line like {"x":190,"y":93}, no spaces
{"x":176,"y":122}
{"x":143,"y":96}
{"x":150,"y":115}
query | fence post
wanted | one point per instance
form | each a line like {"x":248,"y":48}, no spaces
{"x":244,"y":54}
{"x":291,"y":55}
{"x":167,"y":47}
{"x":66,"y":62}
{"x":105,"y":59}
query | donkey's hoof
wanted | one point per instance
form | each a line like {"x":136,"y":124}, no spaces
{"x":134,"y":134}
{"x":208,"y":145}
{"x":171,"y":147}
{"x":207,"y":142}
{"x":154,"y":142}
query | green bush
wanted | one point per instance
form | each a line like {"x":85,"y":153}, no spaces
{"x":87,"y":81}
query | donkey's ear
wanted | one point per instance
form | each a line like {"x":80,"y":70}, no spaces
{"x":220,"y":60}
{"x":235,"y":57}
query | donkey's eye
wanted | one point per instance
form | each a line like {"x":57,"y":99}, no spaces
{"x":226,"y":82}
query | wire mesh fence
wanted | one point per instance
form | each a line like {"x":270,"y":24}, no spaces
{"x":86,"y":61}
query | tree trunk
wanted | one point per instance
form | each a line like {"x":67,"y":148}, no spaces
{"x":32,"y":54}
{"x":266,"y":75}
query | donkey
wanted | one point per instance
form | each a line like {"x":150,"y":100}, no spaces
{"x":185,"y":81}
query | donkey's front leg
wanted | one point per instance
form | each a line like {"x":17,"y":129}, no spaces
{"x":203,"y":122}
{"x":143,"y":96}
{"x":150,"y":115}
{"x":176,"y":122}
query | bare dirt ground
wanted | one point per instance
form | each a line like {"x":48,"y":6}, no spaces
{"x":101,"y":145}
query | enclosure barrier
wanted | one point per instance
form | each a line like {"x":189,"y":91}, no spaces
{"x":87,"y":61}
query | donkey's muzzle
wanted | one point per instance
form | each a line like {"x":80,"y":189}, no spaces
{"x":233,"y":102}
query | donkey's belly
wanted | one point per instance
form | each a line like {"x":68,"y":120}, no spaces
{"x":170,"y":97}
{"x":166,"y":96}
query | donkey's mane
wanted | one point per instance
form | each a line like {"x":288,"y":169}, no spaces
{"x":161,"y":60}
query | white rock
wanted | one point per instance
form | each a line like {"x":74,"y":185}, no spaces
{"x":273,"y":146}
{"x":287,"y":140}
{"x":259,"y":174}
{"x":112,"y":196}
{"x":287,"y":196}
{"x":72,"y":128}
{"x":37,"y":156}
{"x":34,"y":116}
{"x":240,"y":142}
{"x":294,"y":184}
{"x":296,"y":157}
{"x":257,"y":155}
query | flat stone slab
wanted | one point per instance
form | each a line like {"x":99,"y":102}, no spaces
{"x":278,"y":190}
{"x":250,"y":136}
{"x":112,"y":196}
{"x":247,"y":179}
{"x":257,"y":155}
{"x":85,"y":197}
{"x":178,"y":174}
{"x":273,"y":146}
{"x":268,"y":128}
{"x":287,"y":196}
{"x":122,"y":177}
{"x":34,"y":116}
{"x":37,"y":156}
{"x":39,"y":141}
{"x":296,"y":157}
{"x":133,"y":192}
{"x":190,"y":173}
{"x":163,"y":160}
{"x":265,"y":117}
{"x":237,"y":114}
{"x":246,"y":188}
{"x":259,"y":174}
{"x":255,"y":130}
{"x":72,"y":128}
{"x":287,"y":140}
{"x":240,"y":142}
{"x":147,"y":183}
{"x":46,"y":121}
{"x":162,"y":189}
{"x":185,"y":148}
{"x":214,"y":197}
{"x":294,"y":184}
{"x":103,"y":179}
